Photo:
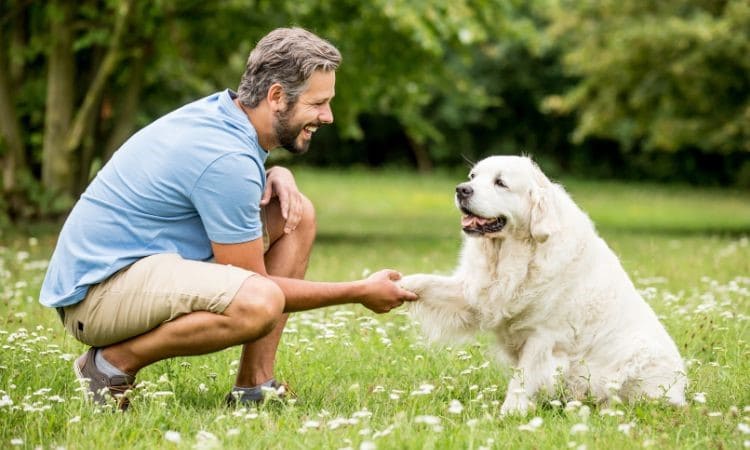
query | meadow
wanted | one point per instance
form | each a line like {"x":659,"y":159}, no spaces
{"x":366,"y":381}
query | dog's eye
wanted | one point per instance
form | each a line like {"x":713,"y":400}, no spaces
{"x":471,"y":176}
{"x":499,"y":182}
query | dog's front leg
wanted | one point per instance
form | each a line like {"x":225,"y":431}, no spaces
{"x":536,"y":370}
{"x":441,"y":308}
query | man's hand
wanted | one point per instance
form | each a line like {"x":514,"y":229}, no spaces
{"x":280,"y":183}
{"x":381,"y":294}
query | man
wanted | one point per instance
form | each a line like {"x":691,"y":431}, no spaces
{"x":132,"y":274}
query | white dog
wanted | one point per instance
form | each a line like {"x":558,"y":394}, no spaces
{"x":534,"y":273}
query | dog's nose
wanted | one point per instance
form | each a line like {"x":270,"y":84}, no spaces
{"x":464,"y":191}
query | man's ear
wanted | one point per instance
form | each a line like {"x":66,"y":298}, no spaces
{"x":276,"y":98}
{"x":543,"y":221}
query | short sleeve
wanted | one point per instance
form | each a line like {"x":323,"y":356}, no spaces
{"x":227,"y":198}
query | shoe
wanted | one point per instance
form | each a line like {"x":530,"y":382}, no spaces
{"x":101,"y":385}
{"x":258,"y":394}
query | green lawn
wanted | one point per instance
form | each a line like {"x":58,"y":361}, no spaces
{"x":369,"y":381}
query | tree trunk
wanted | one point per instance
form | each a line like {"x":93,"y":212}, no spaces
{"x":84,"y":120}
{"x":14,"y":158}
{"x":86,"y":156}
{"x":64,"y":133}
{"x":56,"y":164}
{"x":128,"y":107}
{"x":421,"y":155}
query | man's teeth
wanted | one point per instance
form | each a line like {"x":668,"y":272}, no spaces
{"x":311,"y":129}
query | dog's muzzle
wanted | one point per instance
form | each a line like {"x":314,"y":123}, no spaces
{"x":471,"y":223}
{"x":464,"y":191}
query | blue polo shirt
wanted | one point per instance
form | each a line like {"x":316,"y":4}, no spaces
{"x":191,"y":177}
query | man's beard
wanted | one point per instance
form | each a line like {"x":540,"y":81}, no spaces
{"x":286,"y":134}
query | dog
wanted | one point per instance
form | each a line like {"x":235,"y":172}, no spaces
{"x":534,"y":273}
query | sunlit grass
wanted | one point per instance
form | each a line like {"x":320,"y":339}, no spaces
{"x":368,"y":381}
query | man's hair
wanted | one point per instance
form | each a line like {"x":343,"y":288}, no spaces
{"x":287,"y":56}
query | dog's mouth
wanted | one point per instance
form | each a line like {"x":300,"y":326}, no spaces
{"x":473,"y":224}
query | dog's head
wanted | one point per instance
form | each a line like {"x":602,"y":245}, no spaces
{"x":507,"y":196}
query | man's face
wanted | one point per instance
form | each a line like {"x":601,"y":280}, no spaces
{"x":295,"y":125}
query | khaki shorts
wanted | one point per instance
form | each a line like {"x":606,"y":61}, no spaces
{"x":151,"y":291}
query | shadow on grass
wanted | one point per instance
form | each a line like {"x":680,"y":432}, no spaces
{"x":427,"y":235}
{"x":346,"y":237}
{"x":677,"y":231}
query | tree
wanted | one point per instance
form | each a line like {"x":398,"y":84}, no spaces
{"x":663,"y":76}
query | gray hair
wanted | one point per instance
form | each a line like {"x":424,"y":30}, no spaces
{"x":288,"y":56}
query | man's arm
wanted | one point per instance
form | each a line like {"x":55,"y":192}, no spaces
{"x":378,"y":292}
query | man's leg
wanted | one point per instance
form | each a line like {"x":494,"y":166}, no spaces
{"x":254,"y":312}
{"x":152,"y":300}
{"x":287,"y":256}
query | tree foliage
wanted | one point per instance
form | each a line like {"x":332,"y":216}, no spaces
{"x":661,"y":75}
{"x":427,"y":82}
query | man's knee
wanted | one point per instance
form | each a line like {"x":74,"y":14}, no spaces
{"x":257,"y":306}
{"x":309,"y":221}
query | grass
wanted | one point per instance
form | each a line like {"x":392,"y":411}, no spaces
{"x":369,"y":381}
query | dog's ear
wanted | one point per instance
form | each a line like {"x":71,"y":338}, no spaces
{"x":544,"y":220}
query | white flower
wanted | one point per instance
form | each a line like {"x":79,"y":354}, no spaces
{"x":75,"y":419}
{"x":384,"y":432}
{"x":429,"y":420}
{"x":159,"y":394}
{"x":424,"y":389}
{"x":743,"y":427}
{"x":5,"y":401}
{"x":311,"y":424}
{"x":573,"y":404}
{"x":173,"y":436}
{"x":362,"y":414}
{"x":455,"y":407}
{"x":533,"y":424}
{"x":16,"y":441}
{"x":367,"y":445}
{"x":206,"y":440}
{"x":579,"y":428}
{"x":625,"y":427}
{"x":699,"y":397}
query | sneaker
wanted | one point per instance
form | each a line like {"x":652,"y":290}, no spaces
{"x":100,"y":385}
{"x":258,"y":394}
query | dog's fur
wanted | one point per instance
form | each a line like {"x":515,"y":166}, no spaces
{"x":551,"y":291}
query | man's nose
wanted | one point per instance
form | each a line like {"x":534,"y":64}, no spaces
{"x":326,"y":114}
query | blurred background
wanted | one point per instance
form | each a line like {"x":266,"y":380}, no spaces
{"x":655,"y":90}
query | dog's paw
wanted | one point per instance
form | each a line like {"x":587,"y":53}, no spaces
{"x":516,"y":404}
{"x":417,"y":283}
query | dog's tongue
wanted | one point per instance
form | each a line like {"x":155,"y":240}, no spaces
{"x":469,"y":221}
